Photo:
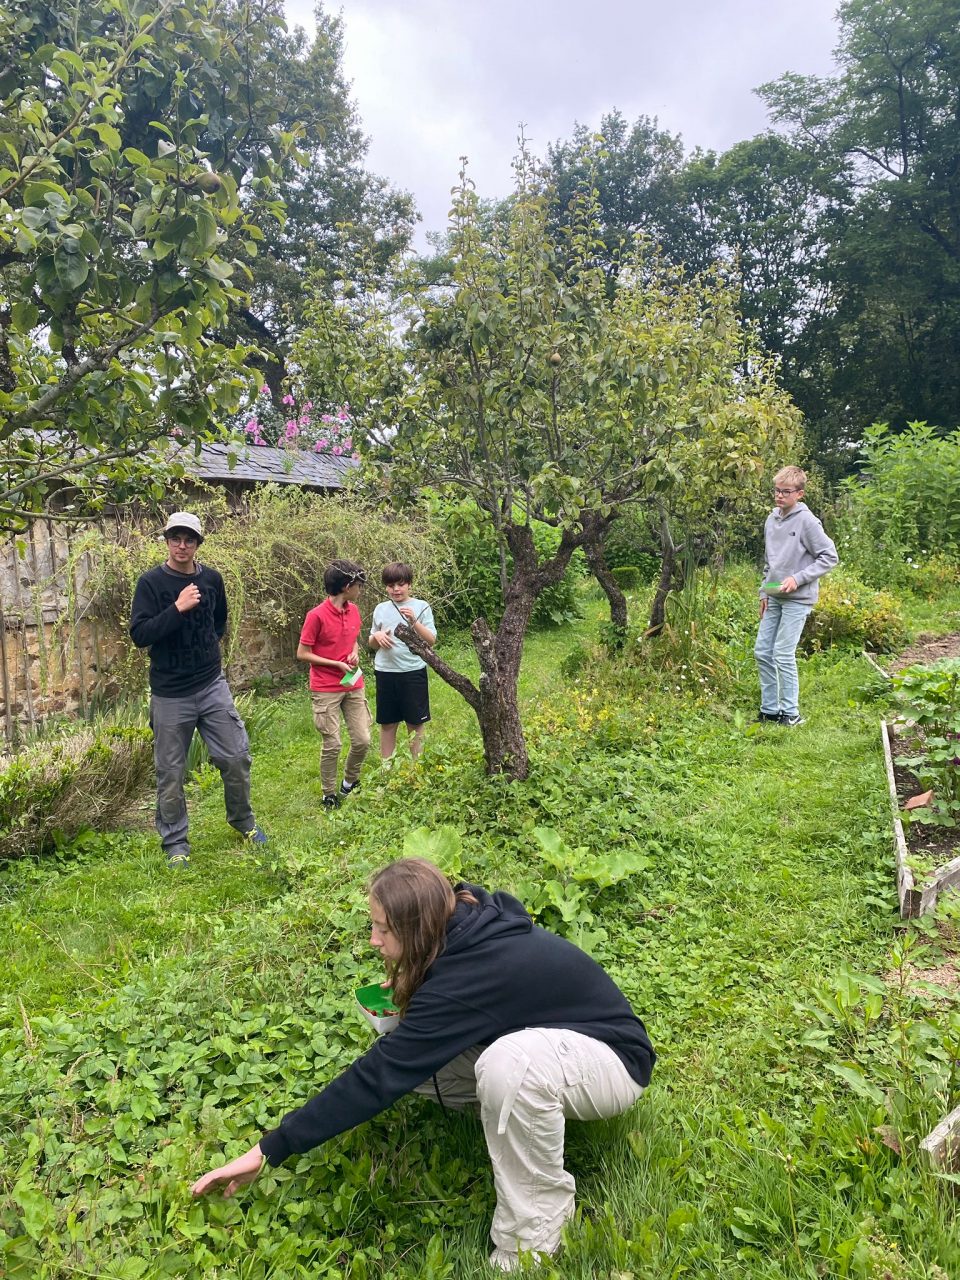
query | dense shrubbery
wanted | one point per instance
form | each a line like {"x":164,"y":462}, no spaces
{"x":849,"y":613}
{"x":905,"y":507}
{"x":631,"y":543}
{"x":628,"y":577}
{"x":83,"y":778}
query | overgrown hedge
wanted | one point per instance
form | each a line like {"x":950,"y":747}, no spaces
{"x":272,"y":554}
{"x":55,"y":789}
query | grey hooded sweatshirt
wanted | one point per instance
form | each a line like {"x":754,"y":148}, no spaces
{"x":795,"y":546}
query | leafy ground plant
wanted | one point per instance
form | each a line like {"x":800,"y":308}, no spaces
{"x":928,"y":697}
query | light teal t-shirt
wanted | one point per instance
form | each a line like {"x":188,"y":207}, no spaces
{"x":386,"y":616}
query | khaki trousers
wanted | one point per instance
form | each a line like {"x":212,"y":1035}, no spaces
{"x":528,"y":1084}
{"x":327,"y":709}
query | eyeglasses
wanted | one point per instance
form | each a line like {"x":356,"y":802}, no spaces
{"x":784,"y":493}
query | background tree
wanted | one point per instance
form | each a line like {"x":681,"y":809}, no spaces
{"x":342,"y":225}
{"x":534,"y":388}
{"x":633,"y":169}
{"x":891,"y":348}
{"x":128,"y":132}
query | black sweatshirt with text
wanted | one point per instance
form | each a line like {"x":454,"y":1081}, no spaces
{"x":498,"y":973}
{"x":184,"y":647}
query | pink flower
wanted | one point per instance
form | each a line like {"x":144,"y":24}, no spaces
{"x":287,"y":399}
{"x":323,"y":444}
{"x":348,"y":442}
{"x":176,"y":431}
{"x":252,"y":425}
{"x":308,"y":405}
{"x":264,"y":391}
{"x":343,"y":416}
{"x":355,"y":457}
{"x":326,"y":417}
{"x":337,"y":451}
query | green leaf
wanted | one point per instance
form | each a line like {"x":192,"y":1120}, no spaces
{"x":442,"y":846}
{"x":25,"y":315}
{"x":71,"y":265}
{"x":857,"y":1082}
{"x":37,"y":1211}
{"x":108,"y":135}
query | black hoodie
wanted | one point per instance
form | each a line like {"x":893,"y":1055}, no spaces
{"x":498,"y":973}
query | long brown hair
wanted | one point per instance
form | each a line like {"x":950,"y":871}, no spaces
{"x":417,"y":900}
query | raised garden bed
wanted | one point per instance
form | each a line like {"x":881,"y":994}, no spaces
{"x":927,"y":861}
{"x":941,"y":1147}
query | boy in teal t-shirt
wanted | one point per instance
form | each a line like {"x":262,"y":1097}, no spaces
{"x":402,"y":692}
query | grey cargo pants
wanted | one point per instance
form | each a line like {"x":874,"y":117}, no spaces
{"x":211,"y":712}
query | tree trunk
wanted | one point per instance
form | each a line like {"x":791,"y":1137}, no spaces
{"x":594,"y":529}
{"x":668,"y":577}
{"x":495,"y":701}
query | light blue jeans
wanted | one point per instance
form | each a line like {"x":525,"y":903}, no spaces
{"x":776,"y":655}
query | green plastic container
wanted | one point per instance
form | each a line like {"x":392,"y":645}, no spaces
{"x":350,"y":678}
{"x":773,"y":586}
{"x":377,"y":1008}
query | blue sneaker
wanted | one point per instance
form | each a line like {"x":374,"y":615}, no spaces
{"x":178,"y":861}
{"x":255,"y":836}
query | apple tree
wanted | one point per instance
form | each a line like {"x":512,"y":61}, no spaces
{"x":135,"y":165}
{"x":525,"y":383}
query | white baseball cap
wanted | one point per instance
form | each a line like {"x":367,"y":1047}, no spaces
{"x":184,"y":520}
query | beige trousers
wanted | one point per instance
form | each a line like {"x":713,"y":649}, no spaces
{"x":527,"y":1085}
{"x":327,"y":709}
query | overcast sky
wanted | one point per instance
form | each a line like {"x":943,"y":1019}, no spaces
{"x":437,"y":79}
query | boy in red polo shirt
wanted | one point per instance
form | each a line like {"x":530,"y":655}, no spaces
{"x":328,"y":641}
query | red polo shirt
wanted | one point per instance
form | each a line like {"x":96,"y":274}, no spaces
{"x":333,"y":633}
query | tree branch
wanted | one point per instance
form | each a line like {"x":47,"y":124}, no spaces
{"x":463,"y":684}
{"x":40,"y":409}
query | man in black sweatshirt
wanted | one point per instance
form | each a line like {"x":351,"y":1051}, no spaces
{"x":180,"y":614}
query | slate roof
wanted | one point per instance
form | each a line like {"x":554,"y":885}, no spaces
{"x":261,"y":464}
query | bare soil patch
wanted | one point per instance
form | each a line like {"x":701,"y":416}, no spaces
{"x":946,"y":976}
{"x":926,"y":649}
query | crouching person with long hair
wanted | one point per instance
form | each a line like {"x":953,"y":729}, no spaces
{"x":494,"y":1011}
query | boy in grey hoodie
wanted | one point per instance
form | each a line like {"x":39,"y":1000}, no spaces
{"x":797,"y":553}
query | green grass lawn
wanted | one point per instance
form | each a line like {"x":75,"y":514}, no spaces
{"x":152,"y":1020}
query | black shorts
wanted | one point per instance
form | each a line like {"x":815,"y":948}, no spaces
{"x":402,"y":696}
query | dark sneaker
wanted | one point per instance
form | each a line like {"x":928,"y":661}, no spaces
{"x":348,"y":788}
{"x":255,"y":836}
{"x":331,"y":802}
{"x":178,"y":861}
{"x":791,"y":721}
{"x":769,"y":717}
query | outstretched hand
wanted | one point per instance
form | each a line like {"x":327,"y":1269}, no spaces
{"x":238,"y":1173}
